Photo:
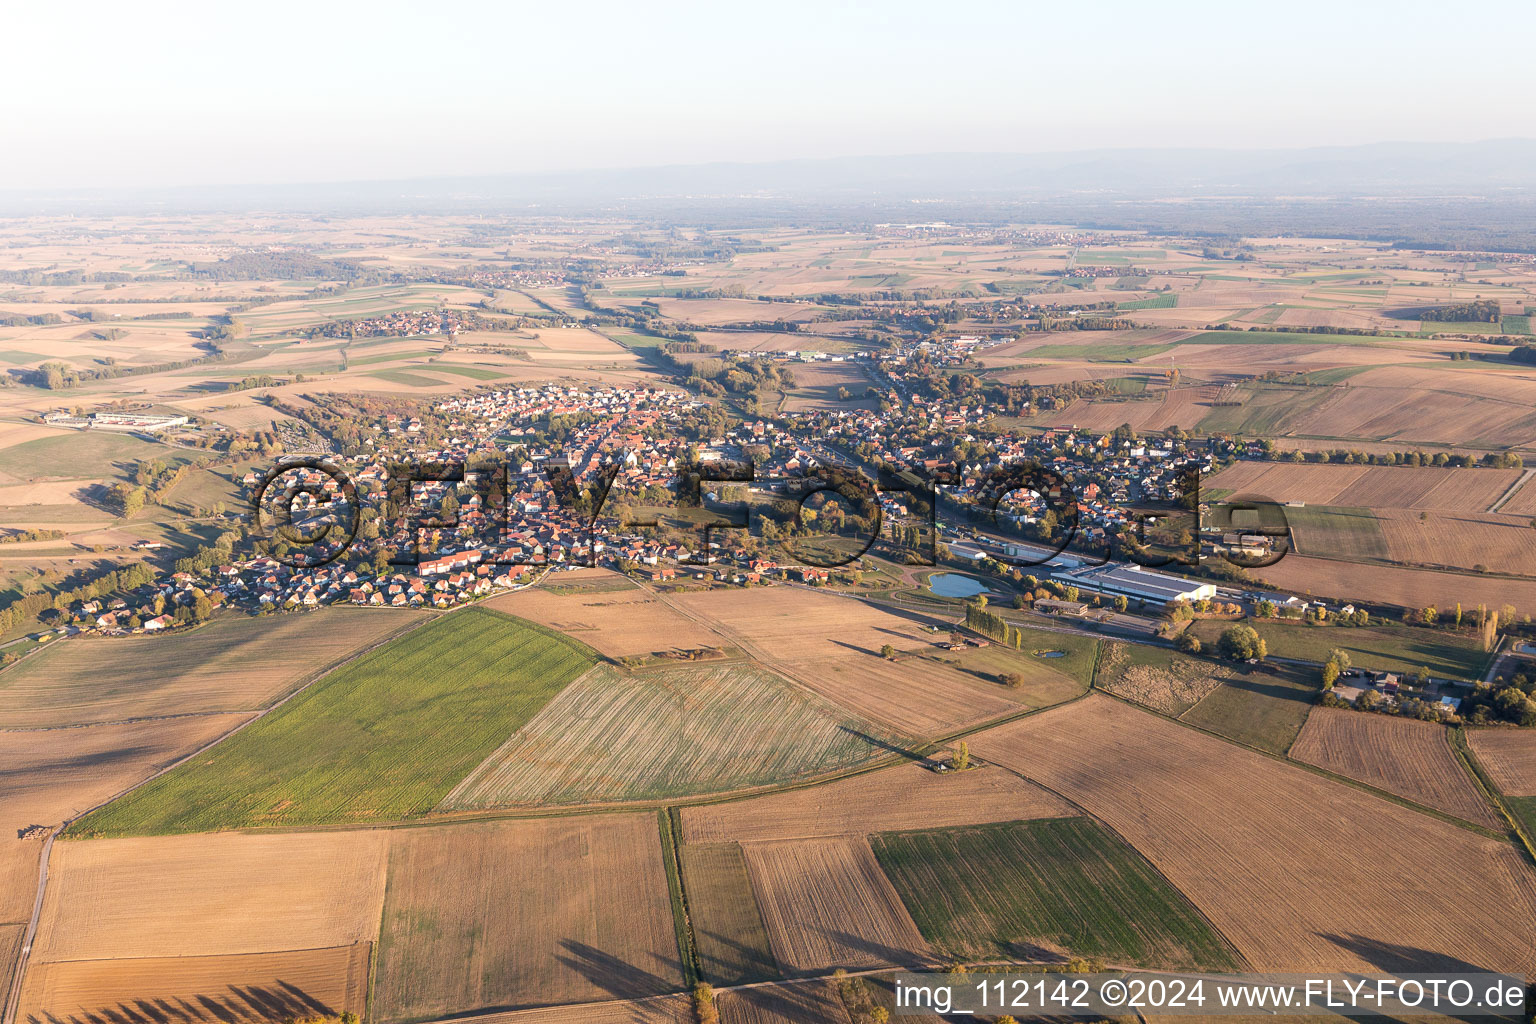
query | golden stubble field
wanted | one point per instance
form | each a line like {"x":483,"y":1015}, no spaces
{"x":832,"y":645}
{"x":206,"y":895}
{"x":232,"y":664}
{"x":524,"y":913}
{"x":1411,"y":759}
{"x":1509,"y":756}
{"x":827,"y":904}
{"x":1300,"y":873}
{"x":887,"y":800}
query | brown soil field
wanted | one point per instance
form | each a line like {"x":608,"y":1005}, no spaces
{"x":1372,"y":487}
{"x":816,"y":387}
{"x":1372,"y":410}
{"x":233,"y":664}
{"x":827,"y":904}
{"x":816,"y":1003}
{"x":832,"y":645}
{"x":1461,"y":540}
{"x":615,"y":623}
{"x":675,"y":1009}
{"x":1411,"y":759}
{"x":1399,"y":585}
{"x":525,"y":913}
{"x":1300,"y":873}
{"x":256,"y":987}
{"x":1509,"y":757}
{"x":889,"y":800}
{"x":209,"y":895}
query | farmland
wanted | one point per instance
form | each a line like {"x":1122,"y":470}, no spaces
{"x":619,"y":622}
{"x":387,"y":736}
{"x":1419,"y":487}
{"x":1263,"y":707}
{"x":733,"y":943}
{"x":484,"y":917}
{"x":240,"y":989}
{"x":799,"y":1004}
{"x":1509,"y":757}
{"x":1059,"y":887}
{"x":616,"y":735}
{"x":211,"y":895}
{"x":827,"y":904}
{"x":832,"y":645}
{"x":235,"y":664}
{"x":904,"y":797}
{"x":1158,"y":678}
{"x":1408,"y":758}
{"x":1382,"y":648}
{"x":1246,"y":851}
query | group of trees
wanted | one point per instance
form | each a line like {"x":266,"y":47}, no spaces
{"x":32,"y":604}
{"x":1336,"y":665}
{"x":1242,"y":643}
{"x":1482,"y":311}
{"x":993,"y":625}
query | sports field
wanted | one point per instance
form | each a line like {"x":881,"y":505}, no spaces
{"x":385,"y":737}
{"x":1058,"y":887}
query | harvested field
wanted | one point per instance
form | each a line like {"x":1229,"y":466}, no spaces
{"x":1236,"y":831}
{"x":524,"y":913}
{"x":783,"y":1004}
{"x":1044,"y":889}
{"x":1462,"y":540}
{"x":384,"y":737}
{"x":1399,"y":585}
{"x":616,"y":735}
{"x":1157,"y":678}
{"x":1409,"y":758}
{"x":905,"y":797}
{"x":676,"y":1009}
{"x":1370,"y":487}
{"x":832,"y":645}
{"x":211,"y":895}
{"x":234,"y":664}
{"x":1509,"y":758}
{"x":618,"y":623}
{"x":827,"y":904}
{"x":728,"y":927}
{"x":257,"y":987}
{"x":48,"y":775}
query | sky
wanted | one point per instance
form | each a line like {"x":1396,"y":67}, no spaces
{"x":119,"y":95}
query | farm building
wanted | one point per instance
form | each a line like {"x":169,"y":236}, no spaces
{"x":1135,"y":581}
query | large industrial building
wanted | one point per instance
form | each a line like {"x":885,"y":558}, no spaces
{"x":1138,"y":582}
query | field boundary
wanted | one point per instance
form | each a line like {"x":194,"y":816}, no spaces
{"x":682,"y":922}
{"x":1468,"y":757}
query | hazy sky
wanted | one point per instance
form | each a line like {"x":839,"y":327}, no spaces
{"x":118,"y":94}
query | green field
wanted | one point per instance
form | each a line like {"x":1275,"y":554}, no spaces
{"x":1167,"y":300}
{"x":472,"y":372}
{"x":414,"y":380}
{"x":635,"y":341}
{"x":1099,"y":352}
{"x":390,"y":357}
{"x":1127,"y":385}
{"x":1525,"y":809}
{"x":1515,"y":324}
{"x":1062,"y":883}
{"x":1264,"y":410}
{"x":1382,"y":648}
{"x":1264,"y":709}
{"x":1333,"y":375}
{"x":1428,"y":327}
{"x":383,"y":738}
{"x":727,"y":924}
{"x":95,"y":454}
{"x":1338,"y":531}
{"x":16,"y":358}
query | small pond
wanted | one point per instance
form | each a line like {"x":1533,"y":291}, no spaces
{"x":1050,"y":654}
{"x":952,"y":584}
